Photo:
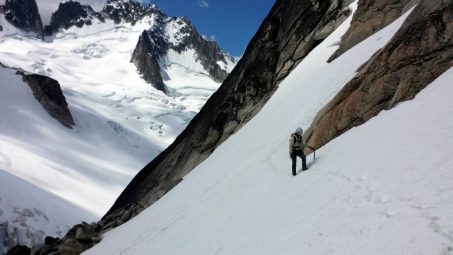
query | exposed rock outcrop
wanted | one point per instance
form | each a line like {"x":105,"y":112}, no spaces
{"x":290,"y":31}
{"x":370,"y":17}
{"x":78,"y":239}
{"x":50,"y":246}
{"x":71,"y":14}
{"x":124,"y":11}
{"x":420,"y":51}
{"x":24,"y":14}
{"x":146,"y":60}
{"x":19,"y":250}
{"x":48,"y":93}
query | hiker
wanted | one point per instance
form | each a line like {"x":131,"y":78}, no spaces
{"x":296,"y":148}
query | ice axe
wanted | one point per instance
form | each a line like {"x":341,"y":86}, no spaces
{"x":314,"y":152}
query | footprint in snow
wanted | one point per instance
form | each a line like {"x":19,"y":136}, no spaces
{"x":382,"y":199}
{"x":390,"y":213}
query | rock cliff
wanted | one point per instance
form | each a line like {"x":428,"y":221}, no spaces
{"x":420,"y":51}
{"x":146,"y":58}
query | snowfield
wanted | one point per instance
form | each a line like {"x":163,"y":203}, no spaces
{"x":385,"y":187}
{"x":121,"y":122}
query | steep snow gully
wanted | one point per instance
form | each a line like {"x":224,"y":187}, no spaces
{"x":386,"y":193}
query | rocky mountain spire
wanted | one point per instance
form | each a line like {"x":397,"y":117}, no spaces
{"x":178,"y":35}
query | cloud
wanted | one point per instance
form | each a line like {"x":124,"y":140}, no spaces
{"x":209,"y":38}
{"x":203,"y":3}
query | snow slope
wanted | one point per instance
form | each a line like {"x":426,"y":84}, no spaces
{"x":121,"y":121}
{"x":34,"y":179}
{"x":382,"y":188}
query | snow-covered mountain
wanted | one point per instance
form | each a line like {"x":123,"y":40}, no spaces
{"x":168,"y":47}
{"x":120,"y":121}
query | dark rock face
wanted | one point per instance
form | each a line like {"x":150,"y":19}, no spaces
{"x":71,"y":14}
{"x":148,"y":64}
{"x":290,"y":31}
{"x":48,"y":93}
{"x":24,"y":14}
{"x":420,"y":51}
{"x":19,"y":250}
{"x":50,"y":246}
{"x":370,"y":17}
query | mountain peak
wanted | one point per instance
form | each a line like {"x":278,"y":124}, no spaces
{"x":175,"y":41}
{"x":71,"y":13}
{"x":123,"y":10}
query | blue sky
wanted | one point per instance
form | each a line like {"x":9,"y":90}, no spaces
{"x":231,"y":23}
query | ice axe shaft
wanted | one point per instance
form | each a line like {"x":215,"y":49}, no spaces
{"x":314,"y":152}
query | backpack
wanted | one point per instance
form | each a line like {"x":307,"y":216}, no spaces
{"x":298,"y":143}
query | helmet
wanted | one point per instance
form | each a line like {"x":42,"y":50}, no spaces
{"x":299,"y":131}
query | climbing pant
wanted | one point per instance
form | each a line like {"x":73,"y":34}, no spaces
{"x":294,"y":155}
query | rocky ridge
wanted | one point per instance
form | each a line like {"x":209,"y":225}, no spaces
{"x":420,"y":51}
{"x":71,"y":14}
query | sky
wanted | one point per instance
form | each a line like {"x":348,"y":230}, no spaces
{"x":231,"y":23}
